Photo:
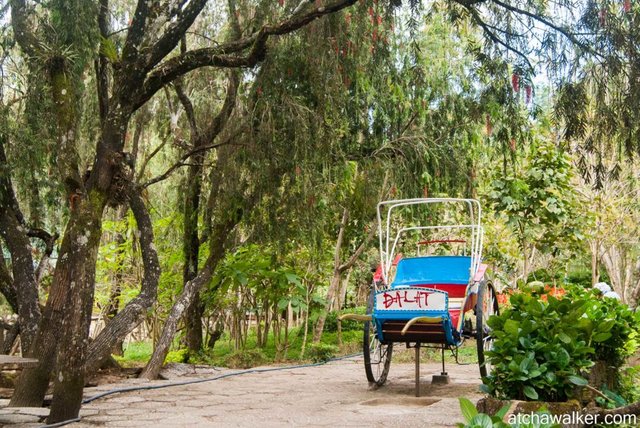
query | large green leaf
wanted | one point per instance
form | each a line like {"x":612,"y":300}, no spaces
{"x":529,"y":392}
{"x":601,"y":337}
{"x":469,"y":411}
{"x":578,"y":380}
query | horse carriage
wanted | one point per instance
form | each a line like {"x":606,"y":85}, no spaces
{"x":430,"y":288}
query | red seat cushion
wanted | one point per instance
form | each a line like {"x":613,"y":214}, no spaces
{"x":454,"y":291}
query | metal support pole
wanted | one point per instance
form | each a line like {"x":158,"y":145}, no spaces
{"x":418,"y":369}
{"x":444,"y":372}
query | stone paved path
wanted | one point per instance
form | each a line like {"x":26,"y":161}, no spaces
{"x":332,"y":395}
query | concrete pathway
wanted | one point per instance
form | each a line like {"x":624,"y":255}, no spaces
{"x":332,"y":395}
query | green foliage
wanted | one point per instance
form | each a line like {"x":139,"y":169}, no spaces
{"x":245,"y":359}
{"x":331,"y":323}
{"x":177,"y":356}
{"x":322,"y":352}
{"x":538,"y":200}
{"x":629,"y":384}
{"x":542,"y":350}
{"x":135,"y":353}
{"x":615,"y":327}
{"x":474,"y":419}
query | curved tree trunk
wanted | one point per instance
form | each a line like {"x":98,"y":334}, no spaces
{"x":133,"y":313}
{"x":23,"y":298}
{"x":191,"y":288}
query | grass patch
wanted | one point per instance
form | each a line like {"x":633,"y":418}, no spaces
{"x":224,"y":354}
{"x":135,"y":354}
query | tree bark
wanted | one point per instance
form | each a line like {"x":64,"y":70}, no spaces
{"x":14,"y":232}
{"x":113,"y":305}
{"x":133,"y":313}
{"x":191,"y":249}
{"x":217,"y":251}
{"x":63,"y":324}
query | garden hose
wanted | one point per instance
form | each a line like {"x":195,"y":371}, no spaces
{"x":193,"y":381}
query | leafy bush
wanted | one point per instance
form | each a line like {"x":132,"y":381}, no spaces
{"x":245,"y":359}
{"x":474,"y":419}
{"x":331,"y":323}
{"x":543,"y":348}
{"x":178,"y":356}
{"x":540,"y":349}
{"x":321,"y":352}
{"x":619,"y":342}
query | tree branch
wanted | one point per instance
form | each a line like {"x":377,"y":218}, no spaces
{"x":356,"y":255}
{"x":102,"y":76}
{"x":7,"y":286}
{"x":180,"y":162}
{"x":187,"y":105}
{"x":136,"y":32}
{"x":219,"y":121}
{"x":170,"y":38}
{"x":571,"y":37}
{"x":494,"y":38}
{"x":221,"y":56}
{"x":343,"y":226}
{"x":50,"y":241}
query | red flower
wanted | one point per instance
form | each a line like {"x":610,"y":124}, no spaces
{"x":528,"y":91}
{"x":515,"y":82}
{"x":602,"y":17}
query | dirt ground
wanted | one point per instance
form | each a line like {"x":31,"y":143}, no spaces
{"x":331,"y":395}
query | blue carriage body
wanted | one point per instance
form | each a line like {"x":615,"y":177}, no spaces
{"x":448,"y":275}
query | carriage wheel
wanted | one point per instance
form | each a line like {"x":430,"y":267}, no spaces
{"x":377,"y":355}
{"x":486,"y":306}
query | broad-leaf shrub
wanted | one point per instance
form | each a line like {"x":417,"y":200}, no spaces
{"x":619,"y":342}
{"x":539,"y":348}
{"x":542,"y":349}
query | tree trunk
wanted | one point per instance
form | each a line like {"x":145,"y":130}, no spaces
{"x":193,"y":323}
{"x":23,"y":276}
{"x":595,"y":257}
{"x":330,"y":297}
{"x":21,"y":291}
{"x":113,"y":305}
{"x":217,"y":251}
{"x":9,"y":339}
{"x":65,"y":321}
{"x":338,"y":269}
{"x":191,"y":249}
{"x":191,"y":240}
{"x":163,"y":344}
{"x":116,"y":288}
{"x":134,"y":312}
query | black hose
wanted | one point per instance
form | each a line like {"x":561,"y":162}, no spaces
{"x":192,"y":381}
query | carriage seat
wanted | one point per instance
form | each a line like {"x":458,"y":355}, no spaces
{"x":446,"y":273}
